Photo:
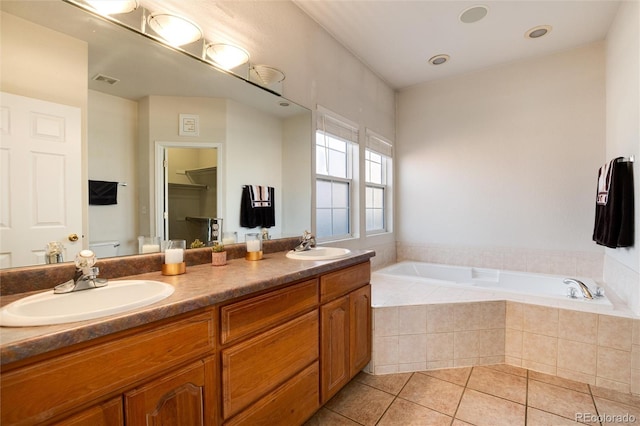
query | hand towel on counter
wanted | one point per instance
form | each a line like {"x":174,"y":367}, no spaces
{"x":103,"y":193}
{"x":257,"y":206}
{"x":614,"y":215}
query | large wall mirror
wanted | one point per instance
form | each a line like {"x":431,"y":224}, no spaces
{"x":144,"y":106}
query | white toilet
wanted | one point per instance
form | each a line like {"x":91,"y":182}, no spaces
{"x":104,"y":249}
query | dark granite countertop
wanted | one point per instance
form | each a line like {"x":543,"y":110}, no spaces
{"x":202,"y":285}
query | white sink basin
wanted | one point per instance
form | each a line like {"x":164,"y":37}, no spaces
{"x":319,"y":253}
{"x":117,"y":297}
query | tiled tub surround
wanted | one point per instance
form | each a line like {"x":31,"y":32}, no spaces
{"x":467,"y":327}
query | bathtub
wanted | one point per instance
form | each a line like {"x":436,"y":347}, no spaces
{"x":430,"y":316}
{"x":428,"y":282}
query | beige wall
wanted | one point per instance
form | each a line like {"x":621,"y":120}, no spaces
{"x":622,"y":265}
{"x":505,"y":156}
{"x":112,"y":154}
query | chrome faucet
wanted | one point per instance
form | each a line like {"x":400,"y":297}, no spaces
{"x":306,"y":242}
{"x":86,"y":276}
{"x":586,"y":293}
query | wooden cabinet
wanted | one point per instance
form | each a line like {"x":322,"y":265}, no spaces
{"x":269,"y":368}
{"x":345,"y":324}
{"x":81,"y":379}
{"x":179,"y":398}
{"x":267,"y":359}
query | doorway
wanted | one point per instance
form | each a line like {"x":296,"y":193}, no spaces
{"x":188,"y":191}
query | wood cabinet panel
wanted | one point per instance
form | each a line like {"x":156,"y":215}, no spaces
{"x":343,"y":281}
{"x":290,"y":404}
{"x":334,"y":320}
{"x":109,"y":413}
{"x":360,"y":329}
{"x":49,"y":388}
{"x":243,"y":318}
{"x":256,"y":366}
{"x":177,"y":399}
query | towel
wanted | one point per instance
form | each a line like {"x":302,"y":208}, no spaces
{"x":259,"y":196}
{"x":103,"y":193}
{"x":614,"y":219}
{"x":604,"y":181}
{"x":257,"y":206}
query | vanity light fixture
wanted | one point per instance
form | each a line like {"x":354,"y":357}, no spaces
{"x":175,"y":30}
{"x":227,"y":56}
{"x":268,"y":75}
{"x":438,"y":59}
{"x":539,"y":31}
{"x":113,"y":7}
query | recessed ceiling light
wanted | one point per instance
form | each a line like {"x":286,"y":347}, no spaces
{"x":175,"y":30}
{"x":539,"y":31}
{"x":438,"y":59}
{"x":473,"y":14}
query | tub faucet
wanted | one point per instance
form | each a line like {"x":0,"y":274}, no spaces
{"x":586,"y":293}
{"x":306,"y":242}
{"x":86,"y":276}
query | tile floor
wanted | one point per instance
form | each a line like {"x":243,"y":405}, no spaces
{"x":485,"y":395}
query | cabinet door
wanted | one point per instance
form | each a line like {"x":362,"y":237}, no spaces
{"x":334,"y":365}
{"x":360,"y":329}
{"x":180,"y":398}
{"x":106,"y":414}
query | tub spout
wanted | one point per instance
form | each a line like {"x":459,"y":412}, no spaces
{"x":586,"y":293}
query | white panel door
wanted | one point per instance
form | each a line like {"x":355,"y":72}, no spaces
{"x":40,"y":176}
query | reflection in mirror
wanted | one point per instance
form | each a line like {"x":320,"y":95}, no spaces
{"x":71,"y":58}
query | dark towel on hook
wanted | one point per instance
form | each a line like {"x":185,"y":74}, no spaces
{"x":102,"y":193}
{"x":614,"y":220}
{"x":252,"y":214}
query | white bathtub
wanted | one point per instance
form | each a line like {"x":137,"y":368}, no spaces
{"x":409,"y":283}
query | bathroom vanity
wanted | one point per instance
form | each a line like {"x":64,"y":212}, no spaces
{"x":249,"y":343}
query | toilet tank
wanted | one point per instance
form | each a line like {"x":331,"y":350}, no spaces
{"x":104,"y":249}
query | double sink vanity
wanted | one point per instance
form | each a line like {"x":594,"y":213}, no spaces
{"x":252,"y":342}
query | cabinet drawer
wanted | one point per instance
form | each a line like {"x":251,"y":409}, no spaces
{"x":290,"y":404}
{"x":45,"y":389}
{"x":341,"y":282}
{"x":256,"y":366}
{"x":266,"y":311}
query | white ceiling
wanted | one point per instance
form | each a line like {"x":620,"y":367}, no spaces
{"x":397,"y":38}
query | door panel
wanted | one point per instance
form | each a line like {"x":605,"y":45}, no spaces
{"x":40,"y":179}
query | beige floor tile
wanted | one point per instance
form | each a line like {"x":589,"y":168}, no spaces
{"x":558,"y":381}
{"x":482,"y":409}
{"x":511,"y":369}
{"x":497,"y":383}
{"x":406,"y":413}
{"x":459,"y":376}
{"x":625,"y":398}
{"x":360,"y":403}
{"x":558,"y":400}
{"x":326,"y":417}
{"x":391,"y":383}
{"x":614,"y":412}
{"x":536,"y":417}
{"x":457,"y":422}
{"x":432,"y":393}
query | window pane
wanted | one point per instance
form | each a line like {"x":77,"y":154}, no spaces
{"x":323,"y":194}
{"x":337,"y":164}
{"x":321,"y":161}
{"x":340,"y":221}
{"x":323,"y":223}
{"x":340,"y":196}
{"x":374,"y":210}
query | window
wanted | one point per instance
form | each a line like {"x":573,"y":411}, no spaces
{"x":377,"y":159}
{"x":336,"y":143}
